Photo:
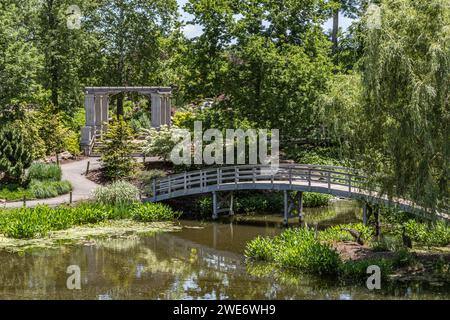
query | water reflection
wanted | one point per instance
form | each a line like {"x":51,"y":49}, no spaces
{"x":203,"y":261}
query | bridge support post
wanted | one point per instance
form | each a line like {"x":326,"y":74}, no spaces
{"x":365,"y":218}
{"x":301,"y":220}
{"x":222,"y":202}
{"x":293,"y":203}
{"x":286,"y":208}
{"x":378,"y":222}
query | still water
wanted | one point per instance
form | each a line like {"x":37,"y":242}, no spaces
{"x":202,"y":261}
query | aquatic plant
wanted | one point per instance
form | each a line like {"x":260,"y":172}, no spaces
{"x":296,"y":249}
{"x":337,"y":233}
{"x":436,"y":234}
{"x":26,"y":223}
{"x":149,"y":212}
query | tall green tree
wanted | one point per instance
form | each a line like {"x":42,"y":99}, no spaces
{"x":132,"y":36}
{"x":19,"y":57}
{"x":350,"y":9}
{"x":67,"y":50}
{"x":405,"y":126}
{"x":269,"y":59}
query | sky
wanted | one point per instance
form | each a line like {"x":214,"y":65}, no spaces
{"x":192,"y":31}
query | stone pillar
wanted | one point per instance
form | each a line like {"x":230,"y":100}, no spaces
{"x":98,"y":111}
{"x":86,"y":135}
{"x":163,"y":110}
{"x":89,"y":105}
{"x":105,"y":112}
{"x":156,"y":110}
{"x":168,"y":110}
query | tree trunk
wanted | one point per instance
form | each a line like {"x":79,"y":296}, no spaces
{"x":119,"y":105}
{"x":334,"y":34}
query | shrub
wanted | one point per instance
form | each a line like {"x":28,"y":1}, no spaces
{"x":117,"y":193}
{"x":146,"y":177}
{"x":117,"y":150}
{"x":184,"y":119}
{"x":44,"y":171}
{"x":263,"y":202}
{"x":160,"y":143}
{"x":72,"y":143}
{"x":13,"y":192}
{"x":153,"y":212}
{"x":314,"y":200}
{"x":204,"y":206}
{"x":49,"y":189}
{"x":15,"y":155}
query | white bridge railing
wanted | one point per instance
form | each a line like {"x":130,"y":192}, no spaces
{"x":223,"y":177}
{"x":338,"y":181}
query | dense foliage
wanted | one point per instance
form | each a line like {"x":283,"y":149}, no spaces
{"x":117,"y":150}
{"x":400,"y":128}
{"x":296,"y":249}
{"x":248,"y":202}
{"x":374,"y":96}
{"x":28,"y":223}
{"x":15,"y":157}
{"x":42,"y":171}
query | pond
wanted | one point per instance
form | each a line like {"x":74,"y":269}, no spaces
{"x":202,"y":261}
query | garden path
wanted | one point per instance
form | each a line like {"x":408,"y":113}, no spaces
{"x":73,"y":172}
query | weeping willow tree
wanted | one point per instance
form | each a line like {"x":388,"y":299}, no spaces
{"x":404,"y":133}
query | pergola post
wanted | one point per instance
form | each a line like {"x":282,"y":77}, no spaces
{"x":168,"y":107}
{"x":89,"y":102}
{"x":98,"y":112}
{"x":156,"y":110}
{"x":105,"y":112}
{"x":163,"y":110}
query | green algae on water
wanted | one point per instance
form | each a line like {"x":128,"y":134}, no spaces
{"x":88,"y":234}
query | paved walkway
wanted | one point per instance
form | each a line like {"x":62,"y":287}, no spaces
{"x":73,"y":172}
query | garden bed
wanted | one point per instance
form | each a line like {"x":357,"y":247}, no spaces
{"x":43,"y":181}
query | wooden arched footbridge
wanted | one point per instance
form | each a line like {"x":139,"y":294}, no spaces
{"x":336,"y":181}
